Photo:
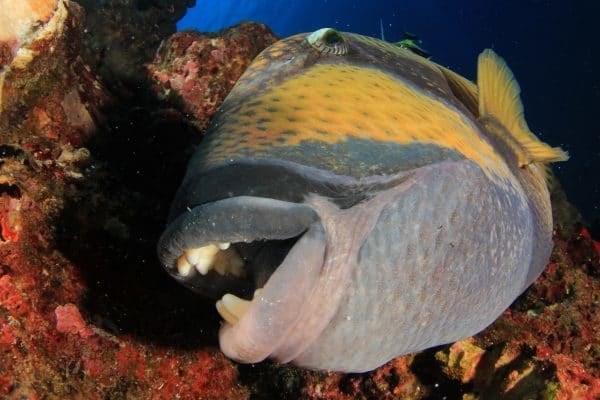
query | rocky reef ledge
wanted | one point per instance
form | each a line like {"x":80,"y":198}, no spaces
{"x":97,"y":120}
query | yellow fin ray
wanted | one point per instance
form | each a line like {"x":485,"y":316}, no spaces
{"x":499,"y":98}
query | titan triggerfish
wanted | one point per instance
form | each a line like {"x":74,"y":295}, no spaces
{"x":352,"y":202}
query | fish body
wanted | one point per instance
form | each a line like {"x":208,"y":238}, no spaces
{"x":353,"y":202}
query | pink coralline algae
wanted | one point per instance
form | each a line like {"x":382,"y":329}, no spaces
{"x":85,"y":184}
{"x":198,"y":70}
{"x":69,"y":320}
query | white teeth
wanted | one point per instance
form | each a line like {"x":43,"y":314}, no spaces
{"x":184,"y":267}
{"x":235,"y":305}
{"x":232,"y":308}
{"x":221,"y":257}
{"x":203,"y":265}
{"x":194,"y":255}
{"x":225,"y":314}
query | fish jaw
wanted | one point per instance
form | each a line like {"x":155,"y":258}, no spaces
{"x":439,"y":258}
{"x":214,"y":228}
{"x":305,"y":293}
{"x":275,"y":310}
{"x":431,"y":260}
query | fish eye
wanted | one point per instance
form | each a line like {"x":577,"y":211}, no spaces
{"x":328,"y":40}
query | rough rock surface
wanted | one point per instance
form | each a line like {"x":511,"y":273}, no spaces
{"x":85,"y":310}
{"x":120,"y":36}
{"x":184,"y":67}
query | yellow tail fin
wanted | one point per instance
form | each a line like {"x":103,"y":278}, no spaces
{"x":499,"y":98}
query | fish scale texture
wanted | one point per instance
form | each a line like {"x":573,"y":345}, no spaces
{"x":451,"y":251}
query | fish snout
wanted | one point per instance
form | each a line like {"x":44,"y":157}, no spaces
{"x":259,"y":257}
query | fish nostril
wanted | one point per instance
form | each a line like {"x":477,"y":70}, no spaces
{"x":328,"y":40}
{"x":332,"y":37}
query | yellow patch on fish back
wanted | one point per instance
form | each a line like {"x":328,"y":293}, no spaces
{"x":331,"y":102}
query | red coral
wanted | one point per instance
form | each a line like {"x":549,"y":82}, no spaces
{"x":200,"y":69}
{"x":5,"y":384}
{"x":131,"y":362}
{"x":575,"y":381}
{"x":9,"y":217}
{"x":69,"y":320}
{"x":10,"y":298}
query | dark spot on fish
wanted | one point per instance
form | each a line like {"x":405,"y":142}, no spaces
{"x":261,"y":128}
{"x":249,"y":113}
{"x":301,"y":96}
{"x":289,"y":132}
{"x":263,"y":120}
{"x":272,"y":109}
{"x":281,"y":140}
{"x":276,"y":99}
{"x":292,"y":119}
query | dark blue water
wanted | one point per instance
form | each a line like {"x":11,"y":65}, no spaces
{"x":552,"y":47}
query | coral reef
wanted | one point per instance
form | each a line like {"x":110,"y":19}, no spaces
{"x":185,"y":65}
{"x":86,"y":179}
{"x":120,"y":36}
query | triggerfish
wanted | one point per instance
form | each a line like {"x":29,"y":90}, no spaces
{"x":352,"y":202}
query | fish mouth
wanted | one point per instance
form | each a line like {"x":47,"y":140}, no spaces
{"x":260,"y":258}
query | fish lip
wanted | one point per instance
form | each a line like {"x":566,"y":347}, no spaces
{"x":278,"y":308}
{"x":237,"y":219}
{"x":273,"y":313}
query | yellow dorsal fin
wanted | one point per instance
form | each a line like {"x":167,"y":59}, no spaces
{"x":499,"y":98}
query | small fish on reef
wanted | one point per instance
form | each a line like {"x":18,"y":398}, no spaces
{"x":353,"y":201}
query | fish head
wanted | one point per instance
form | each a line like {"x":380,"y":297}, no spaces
{"x":332,"y":203}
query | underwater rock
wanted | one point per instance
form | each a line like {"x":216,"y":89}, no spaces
{"x":69,"y":320}
{"x":197,"y":70}
{"x":86,"y":312}
{"x":122,"y":35}
{"x":48,"y":96}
